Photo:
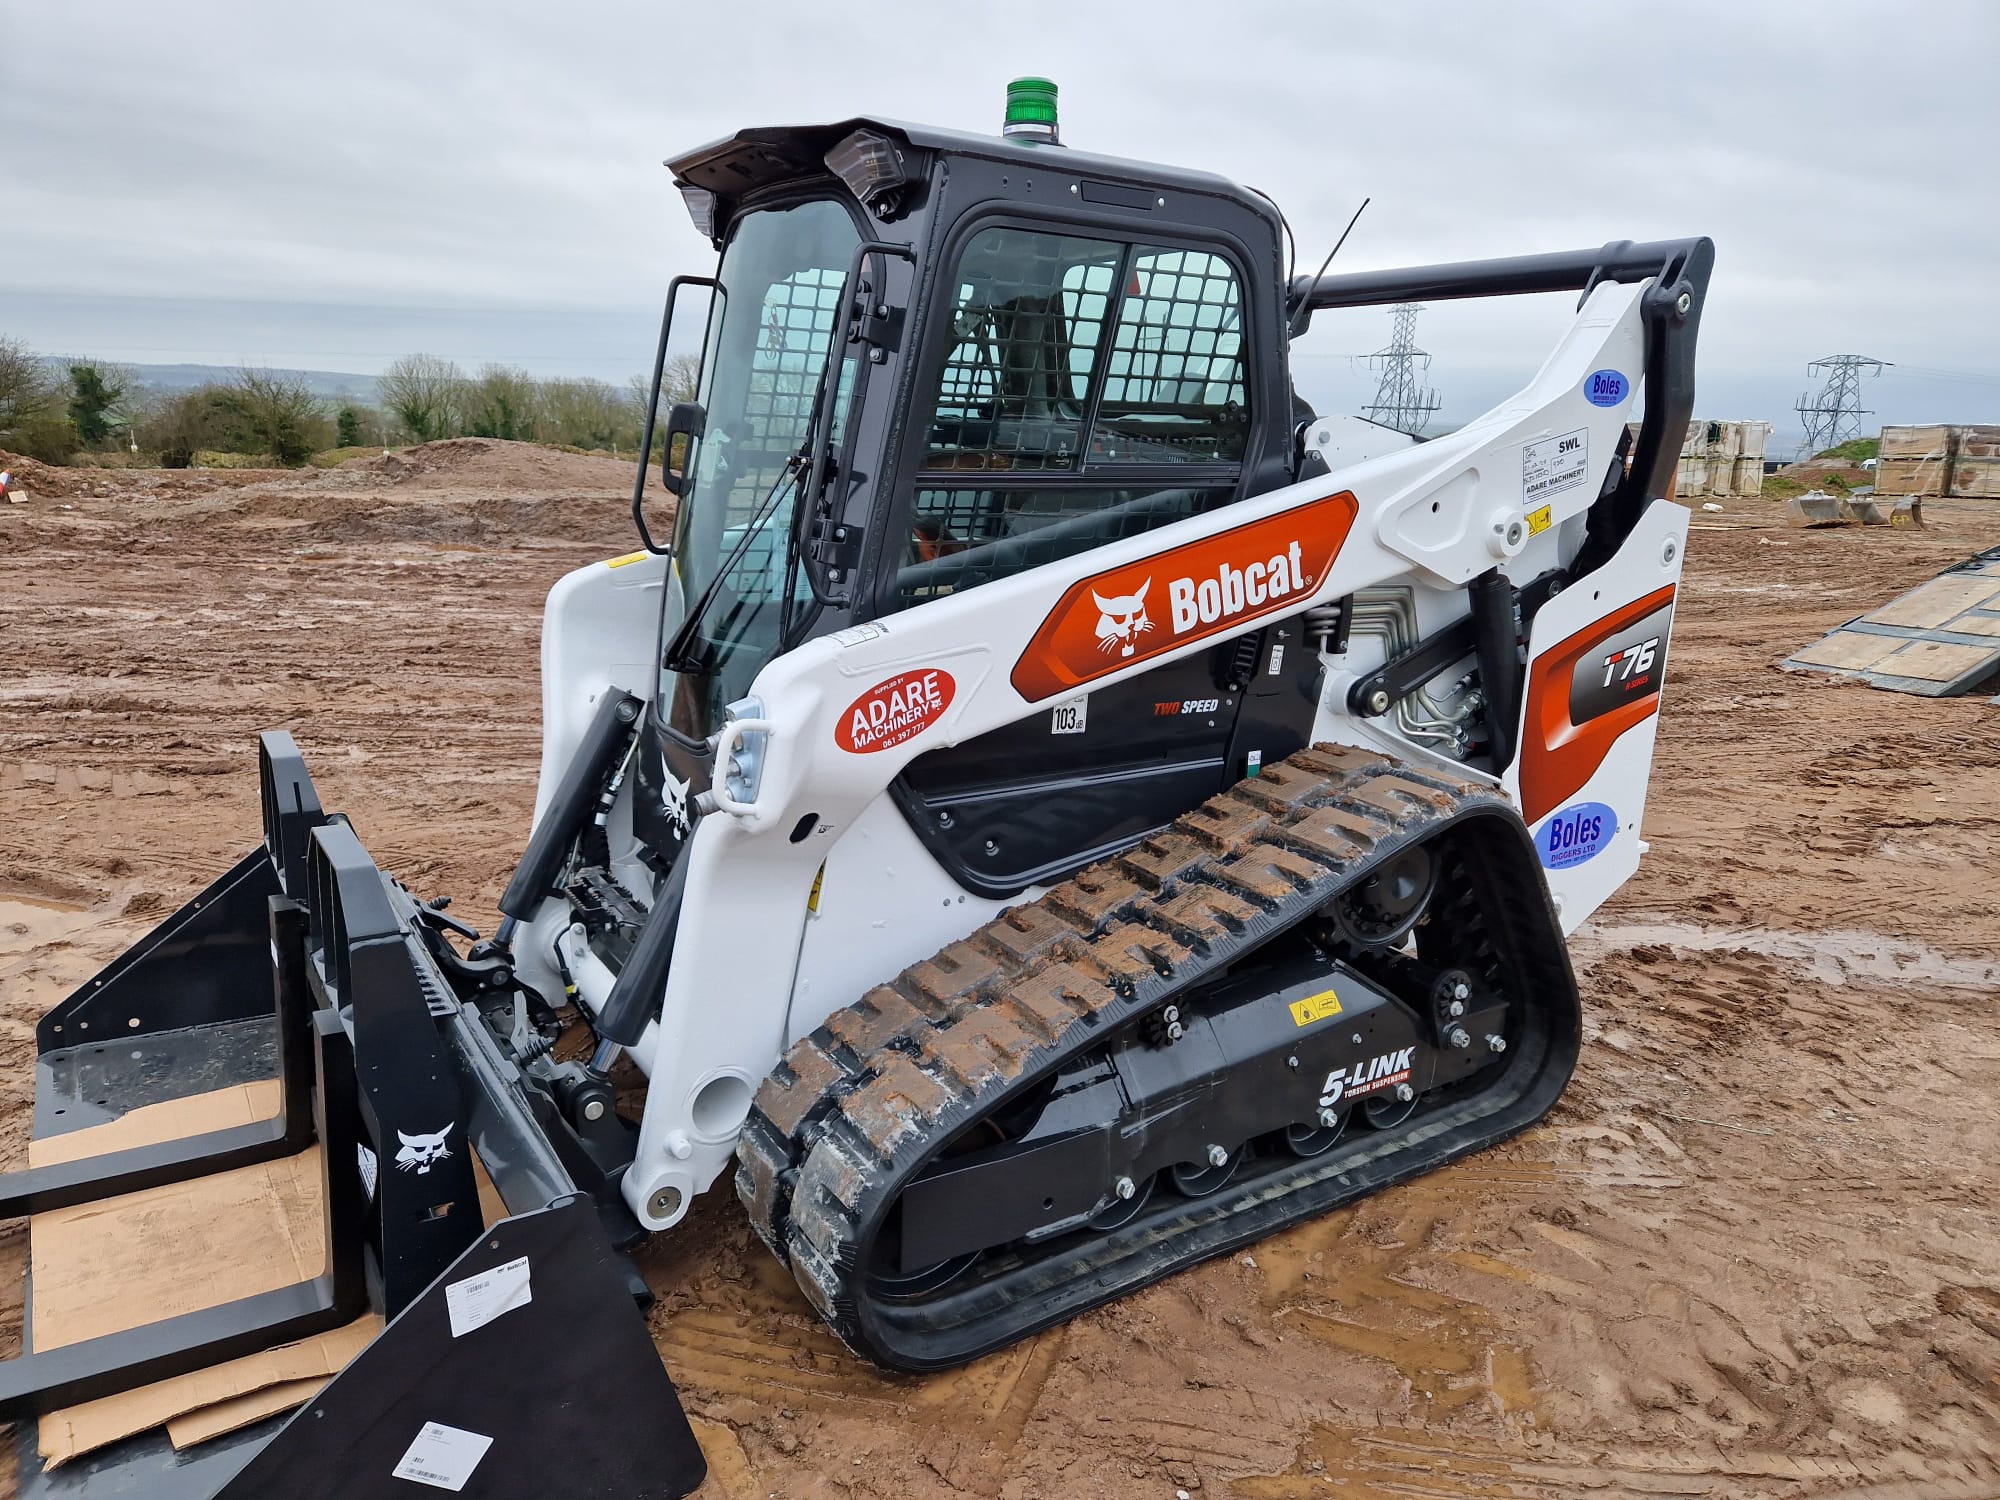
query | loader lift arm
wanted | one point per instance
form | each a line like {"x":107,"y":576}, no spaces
{"x":1670,"y":308}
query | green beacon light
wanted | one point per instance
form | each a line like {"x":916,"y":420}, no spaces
{"x":1031,"y":111}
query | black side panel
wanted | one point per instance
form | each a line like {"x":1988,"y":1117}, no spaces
{"x":209,"y":962}
{"x":667,"y":777}
{"x":1280,"y":701}
{"x":569,"y":1388}
{"x":1033,"y":802}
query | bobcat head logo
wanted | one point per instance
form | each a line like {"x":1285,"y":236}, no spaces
{"x":676,"y":804}
{"x":1121,"y":620}
{"x":420,"y":1151}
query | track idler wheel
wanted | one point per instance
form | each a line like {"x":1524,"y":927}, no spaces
{"x":1124,"y":1206}
{"x":1199,"y":1179}
{"x":1318,"y":1138}
{"x":897,"y":1286}
{"x":1381,"y":909}
{"x":1387,"y":1111}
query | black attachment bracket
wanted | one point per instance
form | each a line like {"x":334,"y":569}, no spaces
{"x":291,"y":806}
{"x":66,"y":1184}
{"x":45,"y":1380}
{"x":361,"y":962}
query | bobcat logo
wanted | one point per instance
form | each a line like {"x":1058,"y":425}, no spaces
{"x":1121,"y":620}
{"x":420,"y":1151}
{"x":676,"y":804}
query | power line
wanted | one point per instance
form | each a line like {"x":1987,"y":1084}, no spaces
{"x":1939,"y":373}
{"x":1833,"y":414}
{"x":1402,"y":401}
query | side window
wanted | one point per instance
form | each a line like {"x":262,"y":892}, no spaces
{"x":794,"y":328}
{"x":1082,"y":373}
{"x":1026,"y":326}
{"x":1173,"y":382}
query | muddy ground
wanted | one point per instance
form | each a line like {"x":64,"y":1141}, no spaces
{"x":1754,"y":1252}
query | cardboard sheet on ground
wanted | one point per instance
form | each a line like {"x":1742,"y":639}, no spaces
{"x":207,"y":1403}
{"x":104,"y":1267}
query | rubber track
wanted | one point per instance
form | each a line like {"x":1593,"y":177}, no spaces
{"x":853,"y":1106}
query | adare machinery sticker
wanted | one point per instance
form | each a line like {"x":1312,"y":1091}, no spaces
{"x":897,"y":709}
{"x":1575,"y":834}
{"x":1214,"y":586}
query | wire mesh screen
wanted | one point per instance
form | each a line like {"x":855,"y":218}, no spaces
{"x":1053,"y":332}
{"x":794,"y":330}
{"x":1028,"y":321}
{"x":1173,"y":379}
{"x":961,"y":538}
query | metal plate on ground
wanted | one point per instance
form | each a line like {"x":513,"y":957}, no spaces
{"x":1940,"y":639}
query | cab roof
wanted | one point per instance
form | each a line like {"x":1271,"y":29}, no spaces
{"x":766,"y":155}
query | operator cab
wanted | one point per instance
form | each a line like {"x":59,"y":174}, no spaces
{"x":935,"y":359}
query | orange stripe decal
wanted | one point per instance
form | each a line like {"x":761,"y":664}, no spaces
{"x":1212,"y":587}
{"x":1558,"y":754}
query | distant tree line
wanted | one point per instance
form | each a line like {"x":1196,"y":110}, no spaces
{"x":58,"y":411}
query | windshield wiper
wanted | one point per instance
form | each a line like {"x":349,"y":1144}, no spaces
{"x":679,"y":655}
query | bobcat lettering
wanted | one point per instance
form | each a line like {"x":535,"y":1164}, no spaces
{"x":1234,"y":590}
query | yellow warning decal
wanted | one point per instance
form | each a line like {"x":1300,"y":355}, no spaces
{"x":1538,"y":521}
{"x":1315,"y":1008}
{"x":630,"y":557}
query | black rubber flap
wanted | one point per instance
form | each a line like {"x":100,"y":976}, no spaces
{"x":566,"y":1385}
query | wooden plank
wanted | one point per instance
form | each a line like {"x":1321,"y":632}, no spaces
{"x":1929,"y":605}
{"x":1849,"y":650}
{"x":1934,"y":661}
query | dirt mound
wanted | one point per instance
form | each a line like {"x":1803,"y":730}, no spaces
{"x":481,"y":521}
{"x":487,"y":464}
{"x":42,"y":481}
{"x":38,"y":479}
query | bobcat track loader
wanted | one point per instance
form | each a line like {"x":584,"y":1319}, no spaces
{"x":1052,"y":810}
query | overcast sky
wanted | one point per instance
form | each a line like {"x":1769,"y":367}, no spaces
{"x":328,"y":187}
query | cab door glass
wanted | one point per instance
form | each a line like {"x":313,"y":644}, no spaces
{"x":1173,"y":381}
{"x":1093,"y":390}
{"x":1026,"y":325}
